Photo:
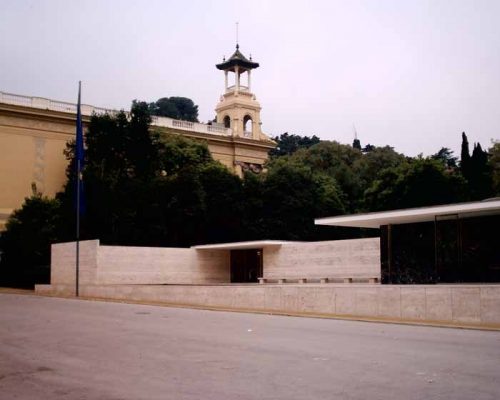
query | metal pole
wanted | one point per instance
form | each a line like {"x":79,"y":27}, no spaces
{"x":77,"y":226}
{"x":437,"y":265}
{"x":389,"y":251}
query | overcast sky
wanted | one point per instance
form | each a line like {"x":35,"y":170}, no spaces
{"x":411,"y":74}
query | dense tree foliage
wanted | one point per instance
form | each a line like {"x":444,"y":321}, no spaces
{"x":288,"y":144}
{"x":175,"y":107}
{"x":494,"y":163}
{"x":293,"y":195}
{"x":445,"y":156}
{"x":159,"y":198}
{"x":26,"y":242}
{"x":476,"y":170}
{"x":415,"y":183}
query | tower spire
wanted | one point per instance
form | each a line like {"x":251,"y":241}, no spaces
{"x":237,"y":34}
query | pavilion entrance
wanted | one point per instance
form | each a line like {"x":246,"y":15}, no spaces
{"x":246,"y":265}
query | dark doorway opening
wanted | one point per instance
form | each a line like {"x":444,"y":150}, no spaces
{"x":246,"y":265}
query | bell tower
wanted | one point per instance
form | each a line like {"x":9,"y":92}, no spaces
{"x":238,"y":108}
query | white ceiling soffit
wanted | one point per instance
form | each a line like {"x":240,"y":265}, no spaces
{"x":412,"y":215}
{"x":257,"y":244}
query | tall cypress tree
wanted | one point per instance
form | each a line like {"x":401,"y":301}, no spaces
{"x":465,"y":156}
{"x":479,"y":156}
{"x":480,"y":181}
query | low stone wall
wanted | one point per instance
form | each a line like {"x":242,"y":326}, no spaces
{"x":336,"y":259}
{"x":469,"y":305}
{"x":113,"y":265}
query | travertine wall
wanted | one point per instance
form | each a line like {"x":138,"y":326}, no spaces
{"x":338,"y":259}
{"x":358,"y":258}
{"x":114,"y":265}
{"x":467,"y":305}
{"x":63,"y":260}
{"x":154,"y":265}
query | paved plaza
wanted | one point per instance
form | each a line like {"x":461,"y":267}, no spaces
{"x":54,"y":348}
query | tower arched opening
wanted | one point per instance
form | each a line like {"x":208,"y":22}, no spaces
{"x":247,"y":125}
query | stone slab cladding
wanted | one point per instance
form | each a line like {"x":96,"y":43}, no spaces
{"x":190,"y":277}
{"x":117,"y":265}
{"x":463,"y":305}
{"x":336,"y":259}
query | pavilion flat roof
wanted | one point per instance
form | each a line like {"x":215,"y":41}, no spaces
{"x":256,"y":244}
{"x":413,"y":215}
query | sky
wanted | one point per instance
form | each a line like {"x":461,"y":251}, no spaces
{"x":405,"y":73}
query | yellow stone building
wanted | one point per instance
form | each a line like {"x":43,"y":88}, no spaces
{"x":34,"y":132}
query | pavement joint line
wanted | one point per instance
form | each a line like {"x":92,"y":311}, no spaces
{"x":303,"y":314}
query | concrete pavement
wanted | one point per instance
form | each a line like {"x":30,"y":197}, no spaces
{"x":74,"y":349}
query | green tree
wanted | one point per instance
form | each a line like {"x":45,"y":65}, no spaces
{"x":445,"y":156}
{"x":336,"y":160}
{"x":415,"y":183}
{"x":175,"y":107}
{"x":476,"y":170}
{"x":25,"y":244}
{"x":494,"y":162}
{"x":293,"y":195}
{"x":288,"y":144}
{"x":144,"y":188}
{"x":369,"y":167}
{"x":121,"y":158}
{"x":369,"y":147}
{"x":479,"y":174}
{"x":465,"y":156}
{"x":254,"y":220}
{"x":177,"y":153}
{"x":223,"y":219}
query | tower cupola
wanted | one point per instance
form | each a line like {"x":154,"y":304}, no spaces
{"x":238,"y":108}
{"x":238,"y":64}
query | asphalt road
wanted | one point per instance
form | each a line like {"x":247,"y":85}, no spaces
{"x":73,"y":349}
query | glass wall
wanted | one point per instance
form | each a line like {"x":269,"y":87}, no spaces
{"x":451,"y":249}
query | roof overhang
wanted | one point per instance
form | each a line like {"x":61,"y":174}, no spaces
{"x":237,"y":60}
{"x":414,"y":215}
{"x":243,"y":65}
{"x":256,"y":244}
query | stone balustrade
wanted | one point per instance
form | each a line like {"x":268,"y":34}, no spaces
{"x":241,"y":88}
{"x":48,"y":104}
{"x":87,"y":110}
{"x":191,"y":126}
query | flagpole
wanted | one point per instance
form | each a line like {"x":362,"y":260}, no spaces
{"x":78,"y":177}
{"x":77,"y":227}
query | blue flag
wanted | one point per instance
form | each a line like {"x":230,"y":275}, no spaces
{"x":79,"y":157}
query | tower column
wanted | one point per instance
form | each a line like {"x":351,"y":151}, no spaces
{"x":249,"y":81}
{"x":237,"y":73}
{"x":225,"y":76}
